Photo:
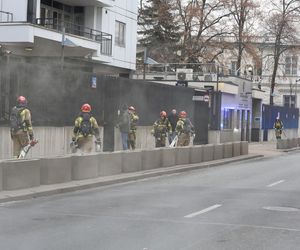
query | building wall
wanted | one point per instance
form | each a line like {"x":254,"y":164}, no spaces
{"x":123,"y":11}
{"x":99,"y":18}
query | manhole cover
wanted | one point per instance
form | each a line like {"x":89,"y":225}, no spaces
{"x":282,"y":209}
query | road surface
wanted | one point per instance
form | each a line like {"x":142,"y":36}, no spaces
{"x":247,"y":205}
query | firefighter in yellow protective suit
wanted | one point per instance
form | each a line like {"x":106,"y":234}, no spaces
{"x":85,"y":128}
{"x":134,"y":118}
{"x":20,"y":126}
{"x":184,"y":129}
{"x":161,"y":128}
{"x":278,"y":126}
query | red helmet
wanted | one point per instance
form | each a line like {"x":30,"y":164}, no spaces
{"x":22,"y":100}
{"x":86,"y":108}
{"x":182,"y":114}
{"x":131,"y":108}
{"x":163,"y":113}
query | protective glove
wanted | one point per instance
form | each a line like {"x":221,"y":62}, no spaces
{"x":31,"y":137}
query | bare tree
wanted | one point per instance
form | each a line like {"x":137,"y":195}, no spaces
{"x":245,"y":13}
{"x":202,"y":23}
{"x":281,"y":26}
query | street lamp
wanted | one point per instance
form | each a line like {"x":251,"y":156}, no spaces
{"x":298,"y":80}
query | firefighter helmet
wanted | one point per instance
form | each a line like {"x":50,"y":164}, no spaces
{"x":131,"y":108}
{"x":182,"y":114}
{"x":86,"y":108}
{"x":21,"y":100}
{"x":163,"y":114}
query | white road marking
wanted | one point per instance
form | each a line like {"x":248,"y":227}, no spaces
{"x":275,"y":183}
{"x":282,"y":209}
{"x":203,"y":211}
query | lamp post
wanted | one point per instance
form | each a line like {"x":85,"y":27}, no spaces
{"x":296,"y":92}
{"x":63,"y":48}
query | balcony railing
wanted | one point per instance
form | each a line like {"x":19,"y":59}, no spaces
{"x":103,"y":38}
{"x":6,"y":17}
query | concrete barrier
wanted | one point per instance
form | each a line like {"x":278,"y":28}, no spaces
{"x":110,"y":163}
{"x":294,"y":142}
{"x":84,"y":166}
{"x":244,"y":148}
{"x":196,"y":154}
{"x":183,"y":155}
{"x":131,"y":161}
{"x":208,"y":152}
{"x":282,"y":144}
{"x":236,"y":149}
{"x":18,"y":174}
{"x":168,"y":157}
{"x":218,"y":151}
{"x":228,"y":150}
{"x":151,"y":159}
{"x":56,"y":170}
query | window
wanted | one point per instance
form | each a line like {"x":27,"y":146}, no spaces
{"x":227,"y":118}
{"x":291,"y":63}
{"x":120,"y":34}
{"x":289,"y":101}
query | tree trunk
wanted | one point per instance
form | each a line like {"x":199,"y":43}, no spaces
{"x":273,"y":79}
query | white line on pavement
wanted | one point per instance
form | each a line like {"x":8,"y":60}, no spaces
{"x":203,"y":211}
{"x":275,"y":183}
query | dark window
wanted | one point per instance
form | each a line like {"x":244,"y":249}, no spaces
{"x":31,"y":11}
{"x":68,"y":8}
{"x":227,"y":118}
{"x":120,"y":34}
{"x":289,"y":101}
{"x":78,"y":9}
{"x":47,"y":2}
{"x":291,"y":63}
{"x":58,"y":5}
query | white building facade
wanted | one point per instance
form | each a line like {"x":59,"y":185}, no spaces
{"x":102,"y":32}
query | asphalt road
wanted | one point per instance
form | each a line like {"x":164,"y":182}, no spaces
{"x":249,"y":205}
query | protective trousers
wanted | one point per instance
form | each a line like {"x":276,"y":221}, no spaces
{"x":132,"y":139}
{"x":85,"y":144}
{"x":160,"y":141}
{"x":183,"y":140}
{"x":20,"y":140}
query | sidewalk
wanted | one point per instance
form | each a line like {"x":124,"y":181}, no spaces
{"x":268,"y":149}
{"x":256,"y":150}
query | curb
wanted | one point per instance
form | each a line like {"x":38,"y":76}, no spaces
{"x":290,"y":149}
{"x":47,"y":190}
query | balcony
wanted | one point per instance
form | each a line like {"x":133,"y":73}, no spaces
{"x":104,"y":39}
{"x":100,"y":3}
{"x":6,"y":16}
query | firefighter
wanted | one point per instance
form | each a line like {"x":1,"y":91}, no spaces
{"x":134,"y":118}
{"x":124,"y":125}
{"x":184,"y":129}
{"x":85,"y":128}
{"x":21,"y":126}
{"x":161,"y":129}
{"x":173,"y":119}
{"x":278,"y":126}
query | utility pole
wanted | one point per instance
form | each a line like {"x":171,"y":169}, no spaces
{"x":63,"y":47}
{"x":218,"y":78}
{"x":145,"y":62}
